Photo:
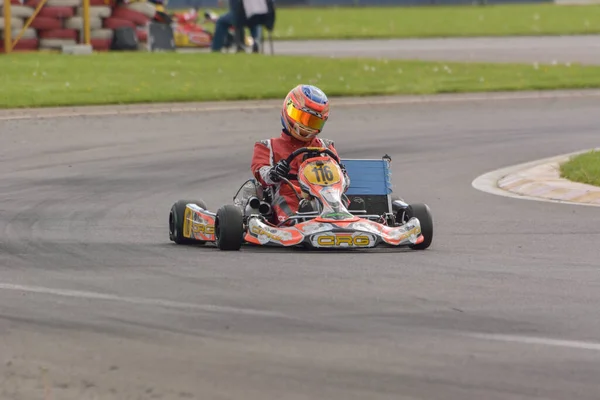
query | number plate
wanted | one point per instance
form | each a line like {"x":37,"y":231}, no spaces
{"x":322,"y":173}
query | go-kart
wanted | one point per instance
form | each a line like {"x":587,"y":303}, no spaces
{"x":365,"y":215}
{"x":187,"y":32}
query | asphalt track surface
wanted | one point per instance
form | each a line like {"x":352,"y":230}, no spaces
{"x":98,"y":304}
{"x":559,"y":49}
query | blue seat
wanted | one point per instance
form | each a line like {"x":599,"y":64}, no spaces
{"x":370,"y":185}
{"x":368,"y":177}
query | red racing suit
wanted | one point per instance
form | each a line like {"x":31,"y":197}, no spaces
{"x":267,"y":153}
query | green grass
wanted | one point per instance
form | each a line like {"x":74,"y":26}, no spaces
{"x":103,"y":78}
{"x":405,"y":22}
{"x":583,"y":168}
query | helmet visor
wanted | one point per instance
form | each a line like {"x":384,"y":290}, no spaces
{"x":305,"y":118}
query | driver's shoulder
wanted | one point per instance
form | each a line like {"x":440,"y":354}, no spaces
{"x":264,"y":142}
{"x":327,"y":142}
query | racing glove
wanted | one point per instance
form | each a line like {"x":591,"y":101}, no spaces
{"x":346,"y":176}
{"x":281,"y":169}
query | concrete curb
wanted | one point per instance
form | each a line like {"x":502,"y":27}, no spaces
{"x":539,"y":180}
{"x":223,"y":106}
{"x":544,"y":181}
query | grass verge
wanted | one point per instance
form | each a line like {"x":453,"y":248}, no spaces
{"x":407,"y":22}
{"x":583,"y":168}
{"x":38,"y":79}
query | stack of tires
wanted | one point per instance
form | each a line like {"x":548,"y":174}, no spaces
{"x":100,"y":37}
{"x":60,"y":22}
{"x":135,"y":15}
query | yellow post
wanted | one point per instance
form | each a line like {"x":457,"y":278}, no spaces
{"x":7,"y":27}
{"x":86,"y":22}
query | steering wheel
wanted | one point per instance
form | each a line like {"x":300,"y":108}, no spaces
{"x":313,"y":152}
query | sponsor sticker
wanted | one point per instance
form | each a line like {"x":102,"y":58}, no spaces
{"x":343,"y":239}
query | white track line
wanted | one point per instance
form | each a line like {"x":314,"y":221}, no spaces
{"x":138,"y":300}
{"x":489,"y":182}
{"x":574,"y":344}
{"x":141,"y":109}
{"x":212,"y":308}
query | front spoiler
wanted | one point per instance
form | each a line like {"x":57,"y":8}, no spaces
{"x":359,"y":233}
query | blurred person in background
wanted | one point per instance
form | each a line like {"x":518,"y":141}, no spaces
{"x":234,"y":17}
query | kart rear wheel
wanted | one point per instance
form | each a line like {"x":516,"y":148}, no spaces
{"x":176,"y":217}
{"x":396,"y":208}
{"x":423,"y":214}
{"x":229,"y":228}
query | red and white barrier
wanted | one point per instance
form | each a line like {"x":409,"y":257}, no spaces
{"x":60,"y":22}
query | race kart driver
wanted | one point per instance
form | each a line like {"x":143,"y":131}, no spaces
{"x":303,"y":116}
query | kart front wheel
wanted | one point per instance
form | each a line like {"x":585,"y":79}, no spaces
{"x":229,"y":228}
{"x":176,"y":218}
{"x":423,"y":214}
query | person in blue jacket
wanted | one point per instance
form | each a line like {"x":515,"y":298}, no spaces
{"x":229,"y":19}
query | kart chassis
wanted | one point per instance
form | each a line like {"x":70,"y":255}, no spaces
{"x":369,"y":199}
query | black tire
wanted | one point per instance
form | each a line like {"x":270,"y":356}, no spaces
{"x":423,"y":214}
{"x":176,"y":222}
{"x":395,"y":209}
{"x":229,"y":228}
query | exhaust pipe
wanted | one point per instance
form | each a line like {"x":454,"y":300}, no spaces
{"x":264,"y":208}
{"x":252,"y":206}
{"x":254,"y":203}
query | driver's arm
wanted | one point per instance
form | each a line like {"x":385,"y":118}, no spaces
{"x":331,"y":147}
{"x":261,"y":164}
